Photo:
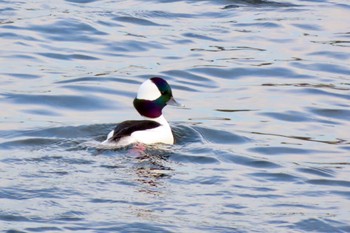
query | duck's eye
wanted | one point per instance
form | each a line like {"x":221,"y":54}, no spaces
{"x":163,"y":92}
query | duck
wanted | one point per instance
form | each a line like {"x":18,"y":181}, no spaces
{"x":152,"y":96}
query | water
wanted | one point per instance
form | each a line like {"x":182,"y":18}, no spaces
{"x":262,"y":145}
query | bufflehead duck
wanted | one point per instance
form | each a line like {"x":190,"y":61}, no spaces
{"x":153,"y":95}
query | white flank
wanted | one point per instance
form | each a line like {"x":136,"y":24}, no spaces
{"x":161,"y":134}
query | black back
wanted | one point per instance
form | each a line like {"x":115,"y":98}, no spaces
{"x":126,"y":128}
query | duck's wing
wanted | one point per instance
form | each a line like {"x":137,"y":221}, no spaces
{"x":126,"y":128}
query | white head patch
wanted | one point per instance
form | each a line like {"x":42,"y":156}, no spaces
{"x":148,"y":91}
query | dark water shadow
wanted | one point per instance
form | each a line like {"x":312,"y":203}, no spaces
{"x":73,"y":102}
{"x":233,"y":4}
{"x":320,"y":225}
{"x":81,"y":1}
{"x":138,"y":21}
{"x":258,"y":3}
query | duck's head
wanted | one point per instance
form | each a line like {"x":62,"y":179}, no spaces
{"x":153,"y":95}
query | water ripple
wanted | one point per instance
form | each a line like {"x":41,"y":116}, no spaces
{"x":59,"y":30}
{"x":57,"y":101}
{"x":243,"y":72}
{"x":323,"y":225}
{"x":283,"y":150}
{"x":261,"y":144}
{"x":341,"y":114}
{"x":137,"y":21}
{"x":68,"y":56}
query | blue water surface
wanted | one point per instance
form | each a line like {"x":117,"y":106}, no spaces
{"x":262,"y":145}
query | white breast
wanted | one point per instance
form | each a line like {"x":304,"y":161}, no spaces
{"x":161,"y":134}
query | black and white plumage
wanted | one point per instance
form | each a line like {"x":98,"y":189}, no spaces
{"x":153,"y":95}
{"x":126,"y":128}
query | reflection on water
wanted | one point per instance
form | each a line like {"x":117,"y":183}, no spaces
{"x":262,"y":145}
